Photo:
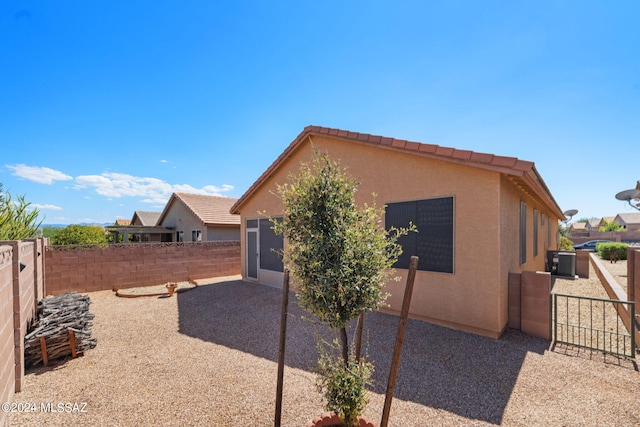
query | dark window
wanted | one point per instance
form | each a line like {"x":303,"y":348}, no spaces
{"x":271,"y":246}
{"x":433,"y":243}
{"x":523,"y":232}
{"x":535,"y":232}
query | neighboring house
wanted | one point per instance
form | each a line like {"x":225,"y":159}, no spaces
{"x":578,"y":227}
{"x":630,"y":221}
{"x":479,"y":218}
{"x":592,"y":224}
{"x":122,"y":222}
{"x":196,"y":217}
{"x":604,"y":221}
{"x":141,"y":228}
{"x":145,"y":218}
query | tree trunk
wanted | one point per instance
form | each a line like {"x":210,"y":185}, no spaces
{"x":345,"y":346}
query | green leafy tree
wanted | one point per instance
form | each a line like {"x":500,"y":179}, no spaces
{"x":79,"y":235}
{"x":17,"y":220}
{"x":340,"y":257}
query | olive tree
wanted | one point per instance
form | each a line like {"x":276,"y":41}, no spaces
{"x":340,"y":256}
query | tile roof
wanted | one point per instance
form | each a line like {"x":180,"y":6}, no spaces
{"x":630,"y":217}
{"x":123,"y":221}
{"x":578,"y":226}
{"x":522,"y":172}
{"x":146,"y":218}
{"x":211,"y":210}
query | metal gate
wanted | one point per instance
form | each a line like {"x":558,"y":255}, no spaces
{"x":593,"y":323}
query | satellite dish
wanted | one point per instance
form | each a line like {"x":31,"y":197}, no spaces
{"x":628,"y":195}
{"x":570,"y":212}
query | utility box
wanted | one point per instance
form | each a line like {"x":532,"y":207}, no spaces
{"x":562,"y":263}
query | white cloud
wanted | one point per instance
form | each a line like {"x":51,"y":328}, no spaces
{"x":38,"y":174}
{"x":164,"y":161}
{"x":154,"y":190}
{"x":45,"y":207}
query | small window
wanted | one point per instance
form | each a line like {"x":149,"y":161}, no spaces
{"x":535,"y":232}
{"x":523,"y":233}
{"x":196,"y":235}
{"x":179,"y":236}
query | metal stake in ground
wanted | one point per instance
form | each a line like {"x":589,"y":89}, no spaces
{"x":283,"y":337}
{"x":397,"y":348}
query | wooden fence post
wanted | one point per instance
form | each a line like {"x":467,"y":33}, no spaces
{"x":281,"y":348}
{"x":397,"y":348}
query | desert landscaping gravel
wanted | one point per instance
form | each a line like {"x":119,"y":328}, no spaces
{"x":208,"y":357}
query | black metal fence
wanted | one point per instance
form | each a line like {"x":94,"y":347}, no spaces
{"x":593,"y":323}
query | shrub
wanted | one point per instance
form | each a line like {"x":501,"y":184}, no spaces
{"x":566,"y":244}
{"x":344,"y":387}
{"x":79,"y":235}
{"x":612,"y":251}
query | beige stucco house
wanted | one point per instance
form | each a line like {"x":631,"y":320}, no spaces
{"x":578,"y":227}
{"x":198,"y":217}
{"x":479,"y":217}
{"x":629,"y":220}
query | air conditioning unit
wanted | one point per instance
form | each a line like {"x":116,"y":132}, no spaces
{"x":562,"y":263}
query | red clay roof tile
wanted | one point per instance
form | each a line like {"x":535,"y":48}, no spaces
{"x":502,"y":161}
{"x":399,"y":143}
{"x":428,"y":148}
{"x":444,"y":151}
{"x":461,"y":154}
{"x":481,"y":157}
{"x":413,"y":146}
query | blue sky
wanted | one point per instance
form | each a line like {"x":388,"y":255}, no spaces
{"x":107,"y":107}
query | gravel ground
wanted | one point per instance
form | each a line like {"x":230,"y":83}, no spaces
{"x":208,"y":357}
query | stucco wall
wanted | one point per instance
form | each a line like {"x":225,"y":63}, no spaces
{"x":475,"y":296}
{"x":509,"y":254}
{"x":223,"y":233}
{"x":88,"y":269}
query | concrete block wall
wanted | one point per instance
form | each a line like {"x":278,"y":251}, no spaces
{"x":514,"y":300}
{"x":582,"y":264}
{"x":529,"y":303}
{"x":94,"y":268}
{"x":24,"y":302}
{"x":19,"y":283}
{"x":7,"y":343}
{"x":536,"y":294}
